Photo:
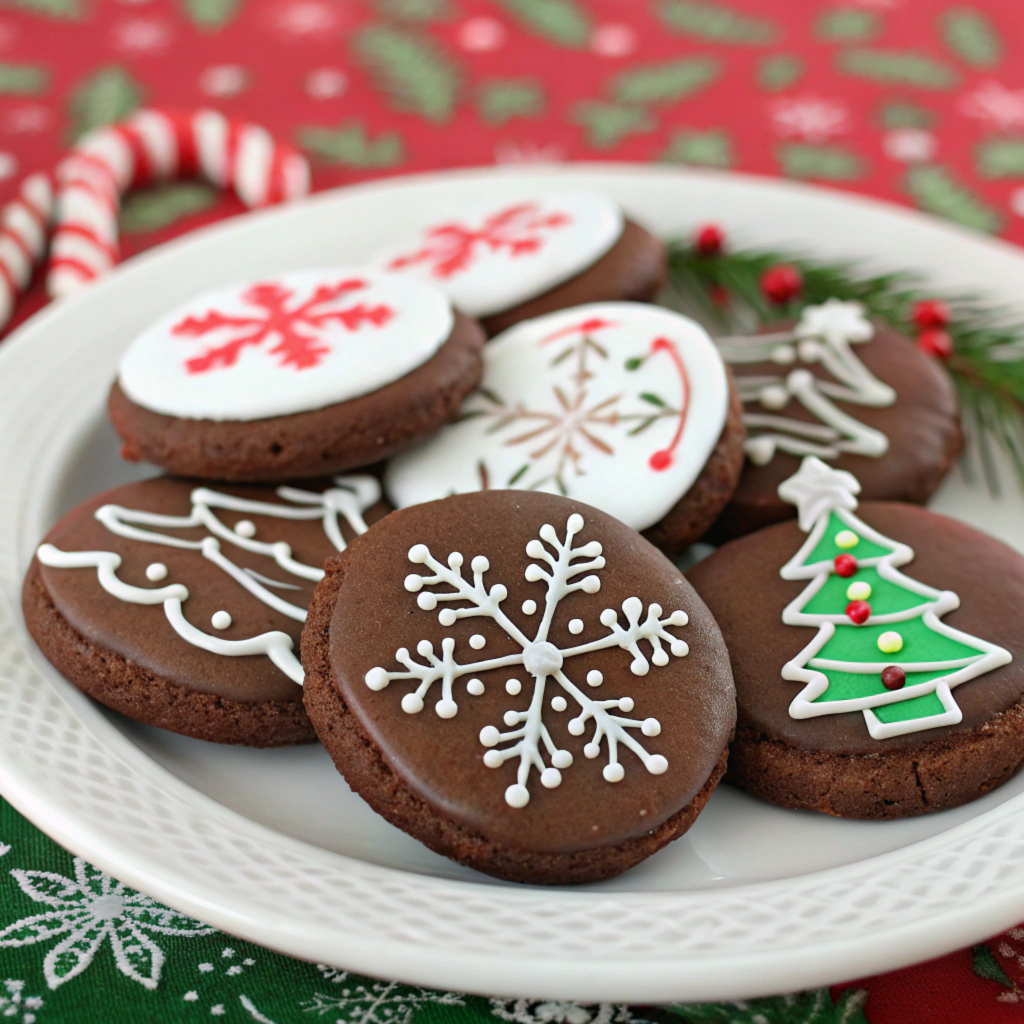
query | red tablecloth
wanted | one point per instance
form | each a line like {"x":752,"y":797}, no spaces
{"x":917,"y":101}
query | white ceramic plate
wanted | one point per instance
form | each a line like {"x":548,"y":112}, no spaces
{"x":272,"y":846}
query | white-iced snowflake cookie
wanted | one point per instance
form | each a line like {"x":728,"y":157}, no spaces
{"x":310,"y":372}
{"x":521,"y":682}
{"x":528,"y":255}
{"x":621,"y":405}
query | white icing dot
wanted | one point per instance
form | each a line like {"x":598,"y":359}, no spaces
{"x":614,"y":772}
{"x":558,"y":704}
{"x":476,"y":641}
{"x":245,"y":528}
{"x":447,"y":616}
{"x":480,"y":564}
{"x":550,"y":778}
{"x":657,"y":765}
{"x":511,"y":717}
{"x":156,"y":572}
{"x":783,"y":355}
{"x":428,"y":602}
{"x":575,"y":523}
{"x":220,"y":620}
{"x":591,"y":750}
{"x":774,"y":396}
{"x":489,"y":736}
{"x":529,"y":607}
{"x":412,"y":704}
{"x":576,"y":727}
{"x":414,"y":582}
{"x":651,"y":727}
{"x":626,"y":704}
{"x":810,"y":350}
{"x":419,"y":553}
{"x":514,"y":687}
{"x":493,"y":759}
{"x":517,"y":796}
{"x":446,"y":708}
{"x":474,"y":687}
{"x":575,"y":626}
{"x":594,"y":678}
{"x":376,"y":678}
{"x":561,"y":759}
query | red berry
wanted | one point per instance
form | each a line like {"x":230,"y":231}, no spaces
{"x":893,"y":677}
{"x":710,"y":239}
{"x":846,"y":565}
{"x":859,"y":612}
{"x":719,"y":294}
{"x":660,"y":460}
{"x":935,"y":342}
{"x":931,"y":313}
{"x":781,"y":283}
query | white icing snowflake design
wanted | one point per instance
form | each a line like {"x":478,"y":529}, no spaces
{"x":559,"y":565}
{"x":87,"y":910}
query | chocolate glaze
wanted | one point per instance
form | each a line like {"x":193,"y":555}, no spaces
{"x":441,"y":761}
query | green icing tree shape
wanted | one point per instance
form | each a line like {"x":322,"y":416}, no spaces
{"x":842,"y":666}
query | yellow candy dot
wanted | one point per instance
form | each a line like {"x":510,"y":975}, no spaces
{"x":860,"y":591}
{"x":890,"y":642}
{"x":847,"y":539}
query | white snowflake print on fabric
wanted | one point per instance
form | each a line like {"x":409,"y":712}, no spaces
{"x":527,"y":1011}
{"x":4,"y":849}
{"x":559,"y":565}
{"x":361,"y":1001}
{"x":996,"y":105}
{"x":233,"y":969}
{"x":809,"y":118}
{"x":15,"y":1006}
{"x":89,"y":910}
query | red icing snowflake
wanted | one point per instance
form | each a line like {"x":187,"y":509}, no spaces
{"x":452,"y":247}
{"x":296,"y":331}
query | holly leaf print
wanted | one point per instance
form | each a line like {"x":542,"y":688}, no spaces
{"x":415,"y":10}
{"x":934,"y":189}
{"x":828,"y":163}
{"x":897,"y":67}
{"x":211,"y":14}
{"x":107,"y":95}
{"x":1000,"y":158}
{"x":564,"y":22}
{"x":847,"y":24}
{"x":500,"y":100}
{"x":607,"y":124}
{"x":970,"y":35}
{"x":664,"y":83}
{"x":715,"y":22}
{"x":157,"y":208}
{"x":704,"y":149}
{"x":350,"y":145}
{"x":411,"y":69}
{"x":901,"y":114}
{"x":779,"y":72}
{"x":23,"y":79}
{"x":50,"y":8}
{"x":988,"y":967}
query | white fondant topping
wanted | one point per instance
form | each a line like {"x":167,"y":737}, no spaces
{"x":824,"y":335}
{"x":245,"y":528}
{"x":489,"y":258}
{"x":529,"y":607}
{"x":291,"y":344}
{"x":618,"y":405}
{"x":349,"y":499}
{"x":818,"y":491}
{"x":559,"y":565}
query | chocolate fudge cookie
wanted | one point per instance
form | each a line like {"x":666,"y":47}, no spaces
{"x":314,"y":372}
{"x":874,"y":679}
{"x":181,"y":605}
{"x":521,"y":682}
{"x":532,"y":256}
{"x":852,"y":391}
{"x":625,"y":406}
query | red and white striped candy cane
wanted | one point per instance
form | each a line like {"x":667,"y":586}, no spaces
{"x":24,"y":228}
{"x":156,"y":145}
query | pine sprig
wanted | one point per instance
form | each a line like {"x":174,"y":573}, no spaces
{"x":987,"y":364}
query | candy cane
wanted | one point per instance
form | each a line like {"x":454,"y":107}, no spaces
{"x":24,"y":227}
{"x":155,"y":145}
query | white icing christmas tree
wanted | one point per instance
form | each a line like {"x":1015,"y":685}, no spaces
{"x":824,"y":335}
{"x":880,"y":647}
{"x":559,"y":565}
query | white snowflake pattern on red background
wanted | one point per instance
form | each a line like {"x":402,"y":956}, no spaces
{"x":297,"y":330}
{"x":450,"y":248}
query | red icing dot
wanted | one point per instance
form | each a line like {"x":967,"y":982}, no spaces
{"x":846,"y":565}
{"x":931,"y":313}
{"x":859,"y":612}
{"x":660,"y":460}
{"x":935,"y":342}
{"x":782,"y":283}
{"x":710,"y":239}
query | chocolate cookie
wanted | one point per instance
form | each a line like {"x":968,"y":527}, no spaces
{"x":521,"y":682}
{"x":315,"y":372}
{"x":527,"y":257}
{"x":874,"y":680}
{"x":181,"y":606}
{"x":627,"y":407}
{"x":845,"y":389}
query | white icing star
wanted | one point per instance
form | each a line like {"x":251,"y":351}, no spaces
{"x":816,"y":489}
{"x":835,"y":322}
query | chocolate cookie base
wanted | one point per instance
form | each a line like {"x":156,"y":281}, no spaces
{"x":334,"y":439}
{"x":899,"y":783}
{"x":691,"y":518}
{"x":125,"y":687}
{"x":368,"y":773}
{"x":632,"y":270}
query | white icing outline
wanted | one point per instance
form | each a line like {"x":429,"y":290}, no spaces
{"x":823,"y":335}
{"x":818,"y":491}
{"x":350,"y":498}
{"x":538,"y":657}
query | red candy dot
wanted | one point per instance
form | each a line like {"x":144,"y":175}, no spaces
{"x":660,"y":460}
{"x":935,"y":342}
{"x":781,"y":284}
{"x":893,"y":677}
{"x":859,"y":612}
{"x":931,"y":313}
{"x":709,"y":240}
{"x":846,"y":565}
